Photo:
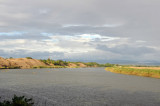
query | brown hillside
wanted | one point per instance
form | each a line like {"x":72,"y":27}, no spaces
{"x":26,"y":63}
{"x":4,"y":62}
{"x":71,"y":65}
{"x":20,"y":62}
{"x":82,"y":65}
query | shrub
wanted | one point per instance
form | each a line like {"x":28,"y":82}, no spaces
{"x":109,"y":65}
{"x":10,"y":57}
{"x":92,"y":64}
{"x":17,"y":101}
{"x":29,"y":57}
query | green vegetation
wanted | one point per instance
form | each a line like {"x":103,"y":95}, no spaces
{"x":66,"y":63}
{"x":50,"y":63}
{"x":10,"y":67}
{"x":10,"y":57}
{"x":55,"y":62}
{"x":49,"y":67}
{"x":108,"y":65}
{"x":18,"y":101}
{"x":145,"y":71}
{"x":92,"y":64}
{"x":29,"y":57}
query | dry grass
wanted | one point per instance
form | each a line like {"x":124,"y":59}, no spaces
{"x":154,"y":68}
{"x":140,"y":71}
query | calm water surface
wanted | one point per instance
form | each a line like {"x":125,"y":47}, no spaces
{"x":80,"y":87}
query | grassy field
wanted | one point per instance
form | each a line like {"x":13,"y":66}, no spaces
{"x":140,"y":71}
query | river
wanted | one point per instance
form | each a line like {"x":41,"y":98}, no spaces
{"x":79,"y":87}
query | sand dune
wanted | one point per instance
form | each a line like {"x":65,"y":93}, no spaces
{"x":22,"y":63}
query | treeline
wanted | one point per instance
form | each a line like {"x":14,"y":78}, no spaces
{"x":50,"y":63}
{"x":55,"y":62}
{"x":91,"y":64}
{"x":66,"y":63}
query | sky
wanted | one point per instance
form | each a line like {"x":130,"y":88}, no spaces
{"x":115,"y":31}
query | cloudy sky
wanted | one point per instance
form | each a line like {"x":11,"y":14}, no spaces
{"x":81,"y":30}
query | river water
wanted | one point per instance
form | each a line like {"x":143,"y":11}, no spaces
{"x":79,"y":87}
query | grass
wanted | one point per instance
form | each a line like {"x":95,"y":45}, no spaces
{"x":56,"y":66}
{"x":146,"y":72}
{"x":11,"y":67}
{"x":49,"y":67}
{"x":73,"y":67}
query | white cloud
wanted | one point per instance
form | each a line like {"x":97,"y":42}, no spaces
{"x":72,"y":25}
{"x":113,"y":25}
{"x":12,"y":33}
{"x":3,"y":23}
{"x":67,"y":28}
{"x":43,"y":11}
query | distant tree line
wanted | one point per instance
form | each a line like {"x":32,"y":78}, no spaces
{"x":65,"y":63}
{"x":55,"y":62}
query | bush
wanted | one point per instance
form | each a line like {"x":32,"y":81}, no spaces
{"x":29,"y":57}
{"x":109,"y":65}
{"x":10,"y":57}
{"x":91,"y":64}
{"x":17,"y":101}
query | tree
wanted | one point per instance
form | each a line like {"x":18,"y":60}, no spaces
{"x":18,"y":101}
{"x":29,"y":57}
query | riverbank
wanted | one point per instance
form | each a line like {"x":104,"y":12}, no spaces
{"x":30,"y":63}
{"x":153,"y":72}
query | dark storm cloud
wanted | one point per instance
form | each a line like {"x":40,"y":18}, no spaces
{"x":136,"y":18}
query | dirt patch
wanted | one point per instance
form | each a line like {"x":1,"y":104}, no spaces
{"x":71,"y":65}
{"x":82,"y":65}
